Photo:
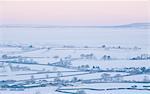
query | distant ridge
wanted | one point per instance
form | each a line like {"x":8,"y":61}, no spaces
{"x":132,"y":25}
{"x":135,"y":25}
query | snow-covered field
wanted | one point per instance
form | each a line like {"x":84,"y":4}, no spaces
{"x":74,"y":61}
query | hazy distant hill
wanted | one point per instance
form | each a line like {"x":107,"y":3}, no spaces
{"x":135,"y":25}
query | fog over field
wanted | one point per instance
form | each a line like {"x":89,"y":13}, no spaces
{"x":137,"y":34}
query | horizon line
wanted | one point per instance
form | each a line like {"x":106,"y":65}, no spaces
{"x":63,"y":26}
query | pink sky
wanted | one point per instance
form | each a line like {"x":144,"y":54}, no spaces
{"x":74,"y":12}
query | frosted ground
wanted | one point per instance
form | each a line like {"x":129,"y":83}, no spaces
{"x":52,"y":60}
